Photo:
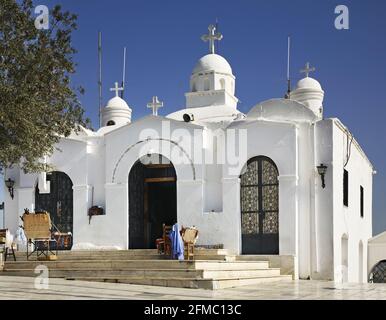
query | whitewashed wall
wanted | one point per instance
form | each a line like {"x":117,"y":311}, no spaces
{"x":347,"y":220}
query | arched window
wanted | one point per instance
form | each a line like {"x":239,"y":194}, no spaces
{"x":110,"y":123}
{"x":260,"y":207}
{"x":206,"y":84}
{"x":59,"y":202}
{"x":344,"y":258}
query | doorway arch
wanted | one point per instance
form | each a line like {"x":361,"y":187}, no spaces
{"x":378,"y":273}
{"x":152,"y":200}
{"x":259,"y":203}
{"x":59,"y":202}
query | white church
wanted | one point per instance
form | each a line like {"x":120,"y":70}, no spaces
{"x":280,"y":180}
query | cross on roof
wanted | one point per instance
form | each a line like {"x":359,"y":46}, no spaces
{"x":307,"y":69}
{"x":116,"y":89}
{"x":155,"y":104}
{"x":211,"y":37}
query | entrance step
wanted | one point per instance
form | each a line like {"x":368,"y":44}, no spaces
{"x":149,"y":274}
{"x":135,"y":254}
{"x":135,"y":264}
{"x":211,"y":269}
{"x":210,"y":284}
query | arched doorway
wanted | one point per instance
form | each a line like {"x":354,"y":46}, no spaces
{"x":259,"y":197}
{"x":378,"y":273}
{"x":152,"y":200}
{"x":344,"y":258}
{"x":59,"y":202}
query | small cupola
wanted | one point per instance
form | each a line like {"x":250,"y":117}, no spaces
{"x":117,"y":112}
{"x":212,"y":82}
{"x":309,"y":92}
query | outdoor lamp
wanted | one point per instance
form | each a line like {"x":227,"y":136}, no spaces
{"x":322,"y":169}
{"x":9,"y":184}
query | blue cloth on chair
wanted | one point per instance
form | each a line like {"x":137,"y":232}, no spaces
{"x":177,"y":243}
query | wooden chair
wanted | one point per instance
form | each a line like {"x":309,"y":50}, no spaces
{"x":164,"y":245}
{"x":4,"y":240}
{"x":189,"y":236}
{"x":37,"y":228}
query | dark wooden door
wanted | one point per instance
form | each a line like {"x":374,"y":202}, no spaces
{"x":59,"y":202}
{"x":161,"y":208}
{"x":260,"y":207}
{"x":152,"y":202}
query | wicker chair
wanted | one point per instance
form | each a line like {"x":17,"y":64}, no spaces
{"x":37,"y":228}
{"x":189,"y":236}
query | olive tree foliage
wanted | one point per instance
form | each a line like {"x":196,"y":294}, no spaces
{"x":38,"y":105}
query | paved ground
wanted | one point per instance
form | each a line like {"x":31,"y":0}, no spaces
{"x":24,"y":288}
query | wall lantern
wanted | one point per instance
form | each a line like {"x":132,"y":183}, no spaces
{"x":322,"y":169}
{"x":9,"y":184}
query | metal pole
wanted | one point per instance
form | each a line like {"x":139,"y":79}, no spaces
{"x":123,"y":72}
{"x":100,"y":76}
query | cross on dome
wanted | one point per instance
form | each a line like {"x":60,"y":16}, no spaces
{"x":155,"y":104}
{"x":116,"y":89}
{"x":307,"y":69}
{"x":211,"y":37}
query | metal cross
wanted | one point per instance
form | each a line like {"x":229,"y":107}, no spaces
{"x":212,"y":36}
{"x":116,"y":89}
{"x":155,"y":104}
{"x":307,"y":69}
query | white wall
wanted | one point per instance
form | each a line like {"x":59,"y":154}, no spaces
{"x":278,"y":141}
{"x":347,"y":220}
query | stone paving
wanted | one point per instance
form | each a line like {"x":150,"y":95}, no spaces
{"x":24,"y":288}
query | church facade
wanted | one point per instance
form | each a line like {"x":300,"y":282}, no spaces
{"x":280,"y":180}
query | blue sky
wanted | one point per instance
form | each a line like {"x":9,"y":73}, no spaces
{"x":163,"y":43}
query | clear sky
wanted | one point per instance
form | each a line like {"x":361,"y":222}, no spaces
{"x":163,"y":43}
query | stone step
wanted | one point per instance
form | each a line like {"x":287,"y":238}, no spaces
{"x":145,"y":274}
{"x":128,"y":257}
{"x":137,"y":264}
{"x":210,"y":284}
{"x":131,"y":252}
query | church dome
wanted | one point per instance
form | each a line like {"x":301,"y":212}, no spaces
{"x":308,"y":83}
{"x":309,"y":92}
{"x":117,"y":103}
{"x":116,"y":112}
{"x":212,"y":62}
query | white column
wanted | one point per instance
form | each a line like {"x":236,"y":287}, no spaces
{"x":288,"y":217}
{"x":231,"y":221}
{"x":81,"y":199}
{"x":116,"y":226}
{"x":25,"y":200}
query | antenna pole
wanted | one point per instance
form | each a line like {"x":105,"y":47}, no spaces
{"x":288,"y":95}
{"x":100,"y":76}
{"x":123,"y":72}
